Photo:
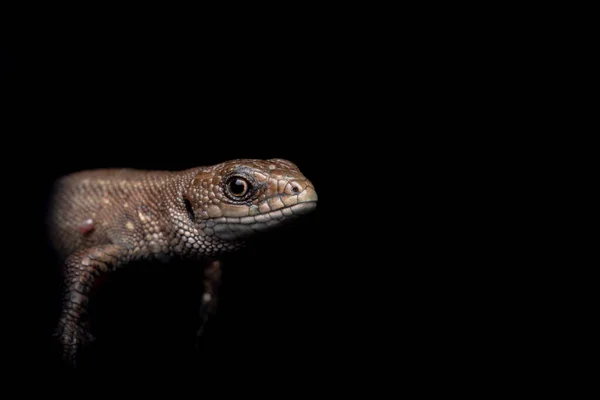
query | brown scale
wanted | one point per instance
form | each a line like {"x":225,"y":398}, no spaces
{"x":101,"y":220}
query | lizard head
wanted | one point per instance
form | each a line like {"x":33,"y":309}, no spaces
{"x":235,"y":199}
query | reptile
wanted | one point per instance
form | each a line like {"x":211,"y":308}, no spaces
{"x":103,"y":219}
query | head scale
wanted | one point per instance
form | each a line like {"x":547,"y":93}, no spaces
{"x":236,"y":199}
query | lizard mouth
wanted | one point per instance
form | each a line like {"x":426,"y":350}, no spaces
{"x":231,"y":228}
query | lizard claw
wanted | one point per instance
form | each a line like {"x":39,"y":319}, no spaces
{"x":89,"y":338}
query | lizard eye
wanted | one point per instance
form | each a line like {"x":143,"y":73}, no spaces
{"x":237,"y":186}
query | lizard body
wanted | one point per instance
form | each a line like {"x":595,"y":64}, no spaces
{"x":100,"y":220}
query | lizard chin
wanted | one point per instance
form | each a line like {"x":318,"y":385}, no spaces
{"x":233,"y":228}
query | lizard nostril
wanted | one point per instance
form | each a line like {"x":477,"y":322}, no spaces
{"x":296,"y":187}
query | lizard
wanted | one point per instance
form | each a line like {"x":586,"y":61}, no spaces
{"x":100,"y":220}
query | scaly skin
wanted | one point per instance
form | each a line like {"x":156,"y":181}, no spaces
{"x":103,"y":219}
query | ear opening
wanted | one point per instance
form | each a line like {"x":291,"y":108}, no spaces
{"x":190,"y":210}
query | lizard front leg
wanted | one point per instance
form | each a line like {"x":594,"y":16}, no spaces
{"x":80,"y":271}
{"x":212,"y":281}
